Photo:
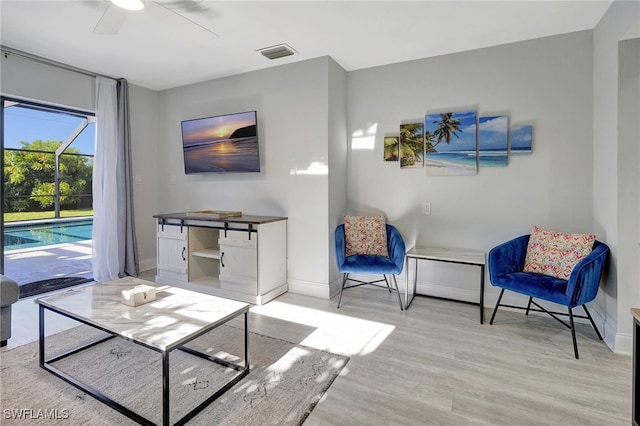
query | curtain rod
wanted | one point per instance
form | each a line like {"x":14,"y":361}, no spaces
{"x":6,"y":51}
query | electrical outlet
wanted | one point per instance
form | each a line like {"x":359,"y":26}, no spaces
{"x":426,"y":208}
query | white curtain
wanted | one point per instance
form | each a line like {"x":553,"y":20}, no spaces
{"x":114,"y":245}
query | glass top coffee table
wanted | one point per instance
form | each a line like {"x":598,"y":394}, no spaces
{"x":175,"y":318}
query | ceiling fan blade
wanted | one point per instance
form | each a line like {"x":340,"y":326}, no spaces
{"x":181,"y":24}
{"x":111,"y":20}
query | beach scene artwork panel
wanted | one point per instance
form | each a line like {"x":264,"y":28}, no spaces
{"x":227,"y":143}
{"x":521,"y":139}
{"x":411,"y":145}
{"x":391,"y":148}
{"x":493,"y":142}
{"x":451,"y":143}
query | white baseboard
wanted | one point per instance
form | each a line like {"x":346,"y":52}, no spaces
{"x":309,"y":288}
{"x":624,"y":344}
{"x":608,"y":328}
{"x":327,"y":291}
{"x":147,"y":264}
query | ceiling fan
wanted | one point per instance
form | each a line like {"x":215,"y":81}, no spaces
{"x":117,"y":11}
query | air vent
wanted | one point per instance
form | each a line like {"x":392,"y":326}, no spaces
{"x":278,"y":51}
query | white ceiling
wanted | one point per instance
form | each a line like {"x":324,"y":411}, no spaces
{"x":153,"y":52}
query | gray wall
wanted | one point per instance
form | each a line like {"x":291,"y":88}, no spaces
{"x":618,"y":293}
{"x":337,"y":160}
{"x":546,"y":82}
{"x":294,"y":123}
{"x":149,"y":179}
{"x":628,"y":259}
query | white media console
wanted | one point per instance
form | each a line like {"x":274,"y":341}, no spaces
{"x":242,"y":258}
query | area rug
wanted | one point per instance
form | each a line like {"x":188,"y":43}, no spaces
{"x":52,"y":284}
{"x":286,"y":381}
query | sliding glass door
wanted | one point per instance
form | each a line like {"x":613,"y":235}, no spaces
{"x":46,"y":194}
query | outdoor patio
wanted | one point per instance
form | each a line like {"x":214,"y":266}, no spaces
{"x":48,"y":262}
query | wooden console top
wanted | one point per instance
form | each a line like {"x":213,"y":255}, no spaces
{"x":253,"y":219}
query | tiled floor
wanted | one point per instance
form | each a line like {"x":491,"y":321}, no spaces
{"x":36,"y":264}
{"x":55,"y":261}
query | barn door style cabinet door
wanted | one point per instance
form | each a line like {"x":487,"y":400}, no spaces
{"x":242,"y":258}
{"x":239,"y":262}
{"x":172,"y":253}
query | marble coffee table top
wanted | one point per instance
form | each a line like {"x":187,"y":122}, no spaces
{"x":171,"y":320}
{"x":448,"y":255}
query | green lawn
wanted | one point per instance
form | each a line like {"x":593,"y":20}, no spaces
{"x":15,"y":217}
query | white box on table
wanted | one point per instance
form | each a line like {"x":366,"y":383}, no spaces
{"x":138,"y":295}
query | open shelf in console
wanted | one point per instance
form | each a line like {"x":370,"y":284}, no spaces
{"x":204,"y":254}
{"x":210,"y":253}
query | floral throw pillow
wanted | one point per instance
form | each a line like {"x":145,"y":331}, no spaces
{"x":556,"y":253}
{"x":365,"y":235}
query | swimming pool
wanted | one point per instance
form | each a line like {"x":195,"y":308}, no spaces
{"x":43,"y":233}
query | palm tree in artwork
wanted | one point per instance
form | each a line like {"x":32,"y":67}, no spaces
{"x":428,"y":140}
{"x":411,"y":142}
{"x":391,"y":148}
{"x":447,"y":127}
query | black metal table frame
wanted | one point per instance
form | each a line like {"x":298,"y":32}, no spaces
{"x":415,"y":282}
{"x":166,"y":421}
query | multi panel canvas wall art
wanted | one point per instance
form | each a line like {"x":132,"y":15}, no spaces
{"x":391,"y":148}
{"x":521,"y":139}
{"x":411,"y":145}
{"x":458,"y":143}
{"x":451,"y":143}
{"x":493,"y":141}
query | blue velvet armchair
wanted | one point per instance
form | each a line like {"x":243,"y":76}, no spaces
{"x":506,"y":262}
{"x":372,"y":265}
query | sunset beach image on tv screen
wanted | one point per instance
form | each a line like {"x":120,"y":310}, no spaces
{"x":222,"y":144}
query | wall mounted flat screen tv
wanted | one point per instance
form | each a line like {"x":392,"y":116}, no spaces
{"x":222,"y":144}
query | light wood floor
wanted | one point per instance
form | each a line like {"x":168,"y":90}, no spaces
{"x":436,"y":365}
